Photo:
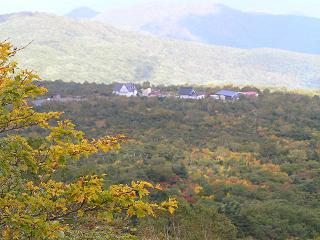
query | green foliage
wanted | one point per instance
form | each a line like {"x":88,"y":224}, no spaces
{"x":281,"y":220}
{"x":195,"y":222}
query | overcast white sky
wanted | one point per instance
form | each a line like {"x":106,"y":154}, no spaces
{"x":301,"y":7}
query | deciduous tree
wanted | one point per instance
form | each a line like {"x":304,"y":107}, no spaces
{"x":33,"y":205}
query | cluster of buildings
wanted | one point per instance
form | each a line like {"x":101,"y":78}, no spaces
{"x":131,"y":90}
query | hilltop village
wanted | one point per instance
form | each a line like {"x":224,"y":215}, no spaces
{"x":134,"y":90}
{"x":131,"y":90}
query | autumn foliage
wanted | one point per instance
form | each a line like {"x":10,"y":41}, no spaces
{"x":33,"y":205}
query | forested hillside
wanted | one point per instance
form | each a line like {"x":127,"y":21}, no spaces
{"x":80,"y":51}
{"x":247,"y":169}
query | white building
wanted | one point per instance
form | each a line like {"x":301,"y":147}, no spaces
{"x":146,"y":92}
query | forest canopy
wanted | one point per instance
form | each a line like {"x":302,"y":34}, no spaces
{"x":248,"y":169}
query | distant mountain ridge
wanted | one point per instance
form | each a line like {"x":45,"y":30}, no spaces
{"x":82,"y":13}
{"x":6,"y":17}
{"x":217,"y":24}
{"x":71,"y":50}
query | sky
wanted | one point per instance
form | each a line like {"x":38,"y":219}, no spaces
{"x":299,"y":7}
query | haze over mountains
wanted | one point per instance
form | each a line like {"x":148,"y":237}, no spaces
{"x":86,"y":50}
{"x":217,"y":24}
{"x":82,"y":13}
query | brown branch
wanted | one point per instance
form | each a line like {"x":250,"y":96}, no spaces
{"x":68,"y":213}
{"x":19,"y":49}
{"x":18,"y":127}
{"x":17,"y":119}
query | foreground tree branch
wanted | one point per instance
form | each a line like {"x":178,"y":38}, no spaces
{"x":37,"y":206}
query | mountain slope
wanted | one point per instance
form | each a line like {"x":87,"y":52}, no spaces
{"x":219,"y":25}
{"x":89,"y":51}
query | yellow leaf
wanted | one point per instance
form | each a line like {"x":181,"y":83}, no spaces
{"x":131,"y":211}
{"x":171,"y":210}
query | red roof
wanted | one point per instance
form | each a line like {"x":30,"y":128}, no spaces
{"x":155,"y":93}
{"x":252,"y":93}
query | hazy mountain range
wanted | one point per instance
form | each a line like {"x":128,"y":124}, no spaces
{"x":217,"y":24}
{"x":73,"y":50}
{"x":83,"y":13}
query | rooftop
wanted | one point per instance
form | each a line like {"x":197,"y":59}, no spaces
{"x":187,"y":91}
{"x":227,"y":93}
{"x":130,"y":86}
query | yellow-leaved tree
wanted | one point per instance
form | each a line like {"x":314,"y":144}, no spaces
{"x":33,"y":205}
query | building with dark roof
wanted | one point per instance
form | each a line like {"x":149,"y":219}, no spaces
{"x":190,"y":93}
{"x":125,"y":89}
{"x":187,"y":93}
{"x":228,"y":94}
